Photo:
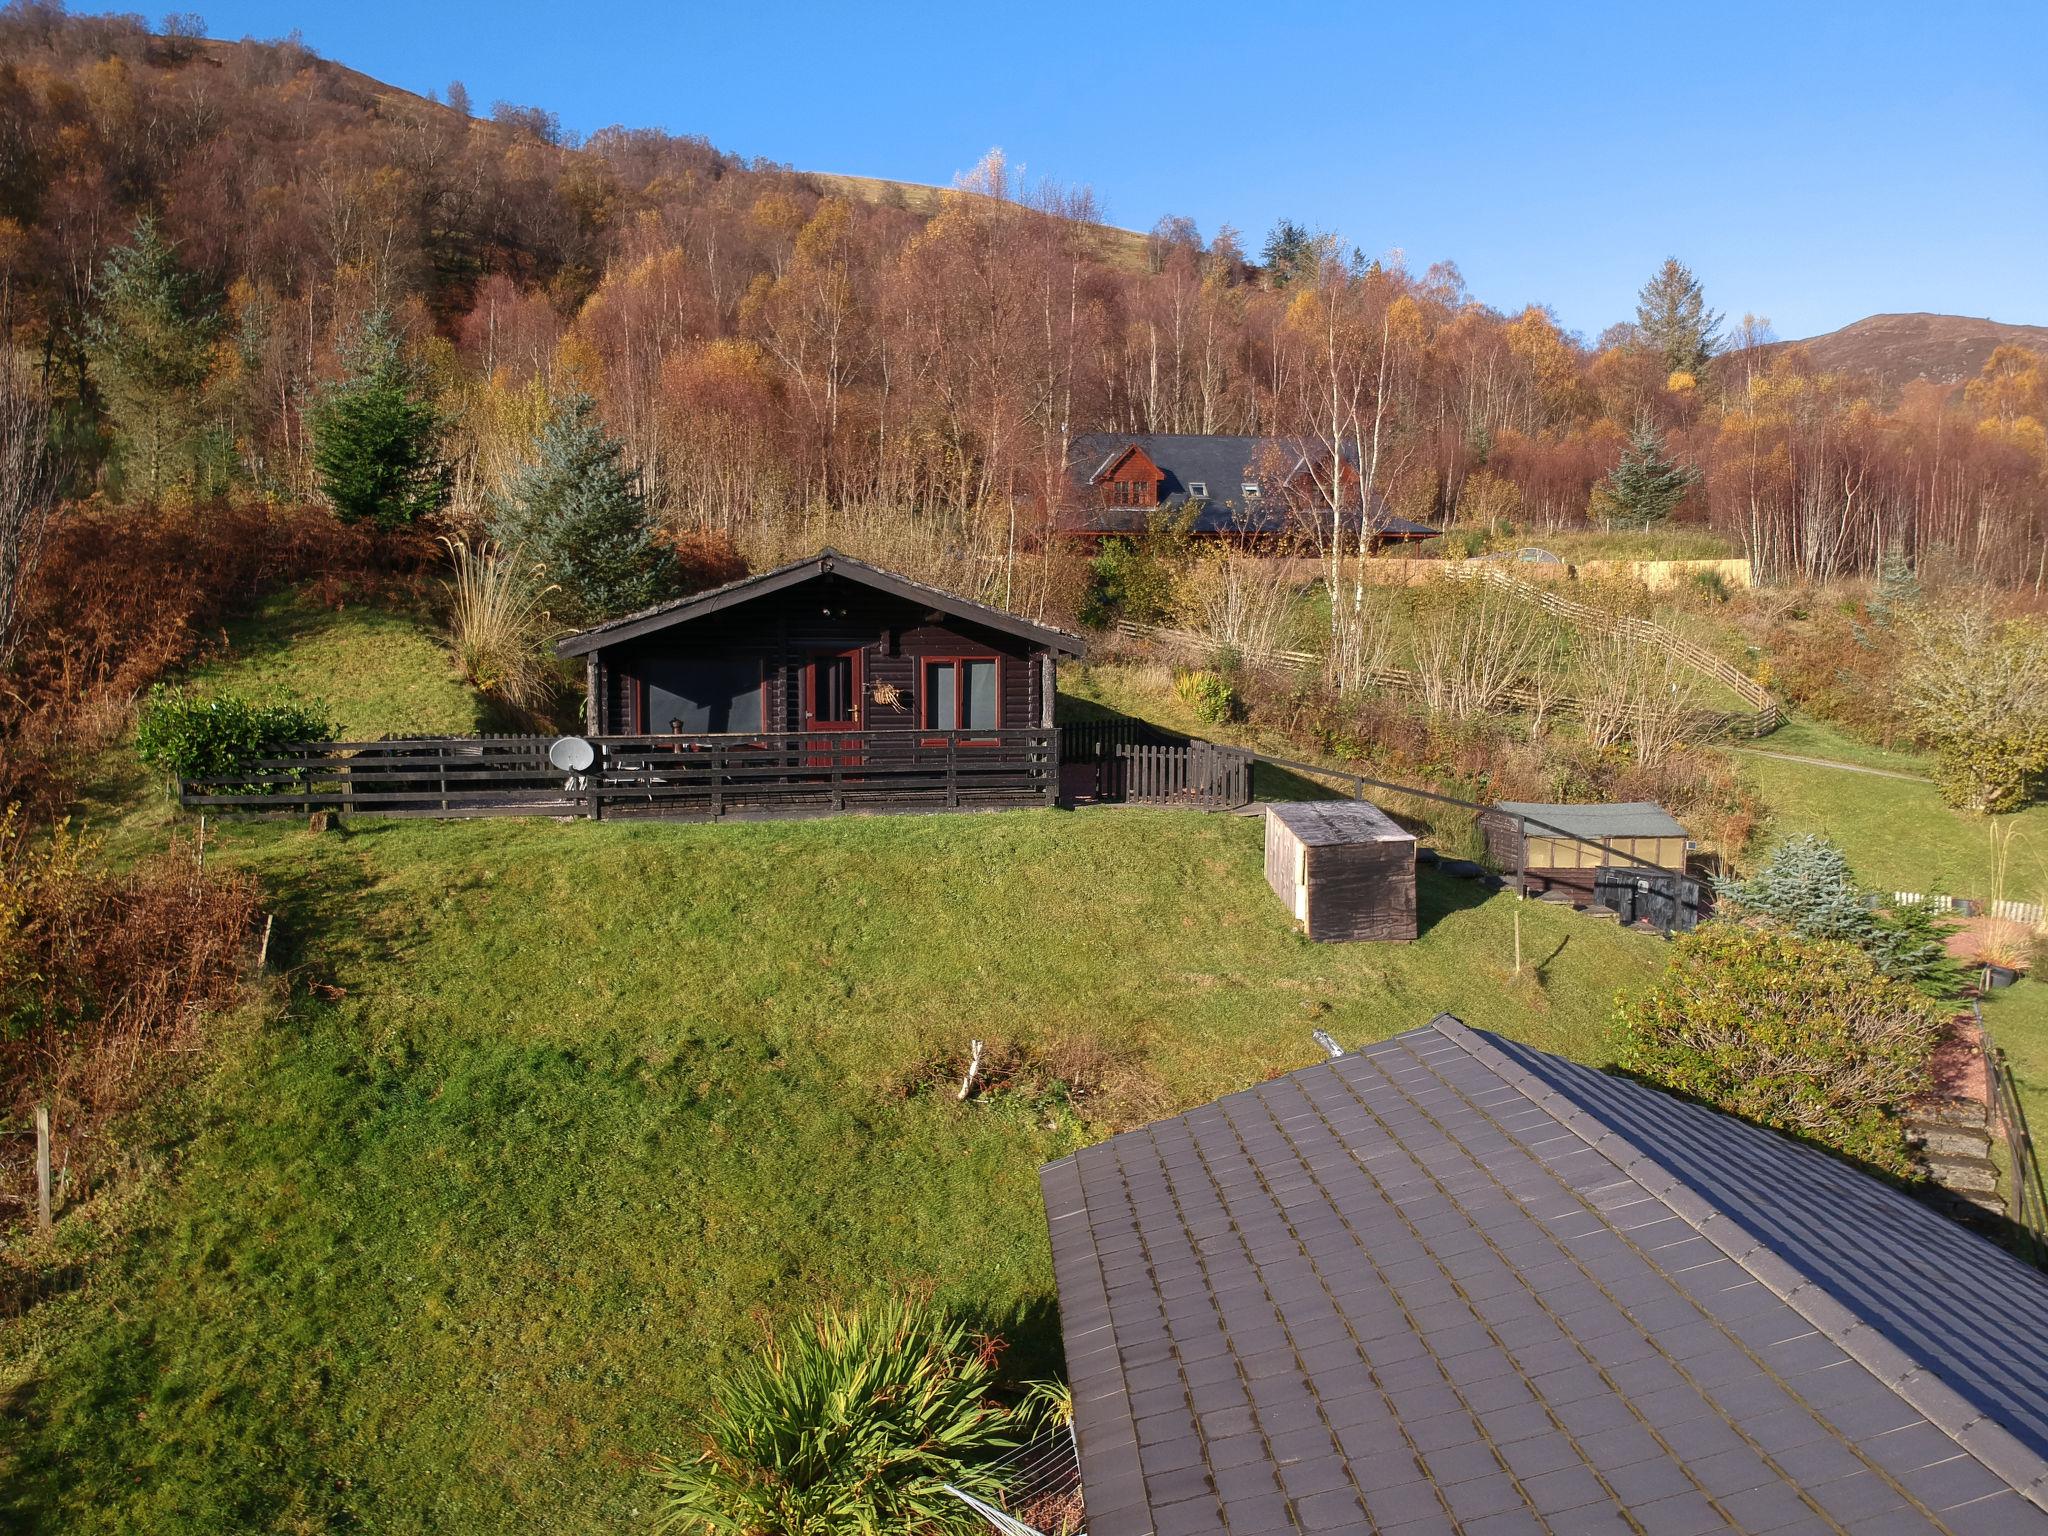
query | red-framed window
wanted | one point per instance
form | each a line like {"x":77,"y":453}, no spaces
{"x":960,"y":693}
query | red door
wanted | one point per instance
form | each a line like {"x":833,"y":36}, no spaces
{"x":832,"y":693}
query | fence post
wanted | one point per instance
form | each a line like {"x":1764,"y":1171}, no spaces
{"x":593,"y":785}
{"x":718,"y":781}
{"x":43,"y":1168}
{"x":952,"y":771}
{"x":441,"y":765}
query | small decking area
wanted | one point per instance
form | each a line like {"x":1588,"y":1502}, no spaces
{"x":692,"y":777}
{"x":727,"y":777}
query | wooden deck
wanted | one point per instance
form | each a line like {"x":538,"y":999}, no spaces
{"x":688,"y":777}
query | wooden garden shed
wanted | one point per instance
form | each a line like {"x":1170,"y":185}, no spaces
{"x":1344,"y":868}
{"x":1563,"y":847}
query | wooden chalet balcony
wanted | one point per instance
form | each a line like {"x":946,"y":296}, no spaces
{"x":788,"y":773}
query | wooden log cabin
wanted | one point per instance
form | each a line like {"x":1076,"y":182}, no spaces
{"x":829,"y":683}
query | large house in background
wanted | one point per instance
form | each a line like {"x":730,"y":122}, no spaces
{"x":1249,"y":490}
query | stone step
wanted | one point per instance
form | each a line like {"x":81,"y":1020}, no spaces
{"x":1602,"y":914}
{"x":1964,"y":1175}
{"x":1972,"y":1208}
{"x":1967,"y":1112}
{"x":1947,"y":1140}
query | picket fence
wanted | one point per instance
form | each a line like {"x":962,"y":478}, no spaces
{"x":2031,"y":913}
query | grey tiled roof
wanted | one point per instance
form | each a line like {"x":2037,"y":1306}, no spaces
{"x":1222,"y":464}
{"x":1450,"y":1283}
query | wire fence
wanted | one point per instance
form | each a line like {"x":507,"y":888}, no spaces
{"x":2027,"y":1203}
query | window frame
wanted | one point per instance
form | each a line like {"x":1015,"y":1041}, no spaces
{"x":644,"y":726}
{"x":959,"y":662}
{"x":1199,"y":489}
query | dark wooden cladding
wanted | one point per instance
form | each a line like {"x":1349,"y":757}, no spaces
{"x":1345,"y":869}
{"x":781,"y":630}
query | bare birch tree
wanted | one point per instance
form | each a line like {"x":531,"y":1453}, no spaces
{"x":28,"y":490}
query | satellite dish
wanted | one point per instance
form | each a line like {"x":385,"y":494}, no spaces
{"x":571,"y":754}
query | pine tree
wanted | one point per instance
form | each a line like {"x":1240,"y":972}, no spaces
{"x":578,"y":513}
{"x":1897,"y":584}
{"x":1646,"y":486}
{"x":149,"y":349}
{"x":1673,"y":320}
{"x":377,"y":437}
{"x":1290,"y":253}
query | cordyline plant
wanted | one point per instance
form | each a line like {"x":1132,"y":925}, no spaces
{"x":1801,"y":1035}
{"x":852,"y":1427}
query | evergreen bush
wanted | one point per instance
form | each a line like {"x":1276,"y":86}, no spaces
{"x":1802,"y":1035}
{"x":214,"y":738}
{"x":1808,"y":888}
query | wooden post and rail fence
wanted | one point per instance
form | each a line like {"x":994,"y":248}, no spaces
{"x":2027,"y":1204}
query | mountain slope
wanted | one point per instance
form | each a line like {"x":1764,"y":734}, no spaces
{"x":1895,"y":350}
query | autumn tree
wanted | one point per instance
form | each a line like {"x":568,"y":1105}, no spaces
{"x":149,"y":344}
{"x":578,"y":513}
{"x":1673,"y":321}
{"x":28,"y":488}
{"x":377,"y":435}
{"x":1647,"y":485}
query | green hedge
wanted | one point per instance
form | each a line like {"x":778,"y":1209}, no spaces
{"x":215,"y":738}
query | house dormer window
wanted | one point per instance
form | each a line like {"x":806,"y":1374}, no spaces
{"x":1198,"y":487}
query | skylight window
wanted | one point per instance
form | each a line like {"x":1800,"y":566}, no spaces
{"x":1198,"y":487}
{"x":1251,"y":490}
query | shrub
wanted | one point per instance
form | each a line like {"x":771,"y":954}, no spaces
{"x":1806,"y":886}
{"x":500,"y":633}
{"x":1209,"y":694}
{"x":1990,"y":774}
{"x":191,"y":738}
{"x":1804,"y":1036}
{"x":854,"y":1425}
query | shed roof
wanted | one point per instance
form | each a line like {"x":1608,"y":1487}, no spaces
{"x":1322,"y":823}
{"x":1222,"y":464}
{"x":1449,"y":1278}
{"x":1633,"y":818}
{"x":827,"y":562}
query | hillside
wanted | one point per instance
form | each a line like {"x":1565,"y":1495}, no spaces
{"x":1123,"y":249}
{"x":1896,"y":350}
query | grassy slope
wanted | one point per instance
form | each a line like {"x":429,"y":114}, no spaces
{"x":559,"y":1118}
{"x":1899,"y":835}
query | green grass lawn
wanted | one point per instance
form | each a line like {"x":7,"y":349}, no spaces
{"x":550,"y":1122}
{"x":1898,"y":835}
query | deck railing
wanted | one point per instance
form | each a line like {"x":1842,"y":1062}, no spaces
{"x":769,"y":773}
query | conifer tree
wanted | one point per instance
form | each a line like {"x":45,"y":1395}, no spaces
{"x":1646,"y":486}
{"x":377,"y":437}
{"x":577,"y":511}
{"x":149,"y":349}
{"x":1672,"y":319}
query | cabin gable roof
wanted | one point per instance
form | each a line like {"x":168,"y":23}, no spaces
{"x":1452,"y":1234}
{"x":827,"y":562}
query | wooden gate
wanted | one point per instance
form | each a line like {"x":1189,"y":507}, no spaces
{"x":1200,"y":775}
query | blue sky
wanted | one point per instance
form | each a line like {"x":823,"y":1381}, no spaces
{"x":1813,"y":162}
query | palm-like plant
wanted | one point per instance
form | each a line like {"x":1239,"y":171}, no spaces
{"x":853,"y":1427}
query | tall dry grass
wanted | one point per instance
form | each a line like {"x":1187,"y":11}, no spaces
{"x":499,"y":627}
